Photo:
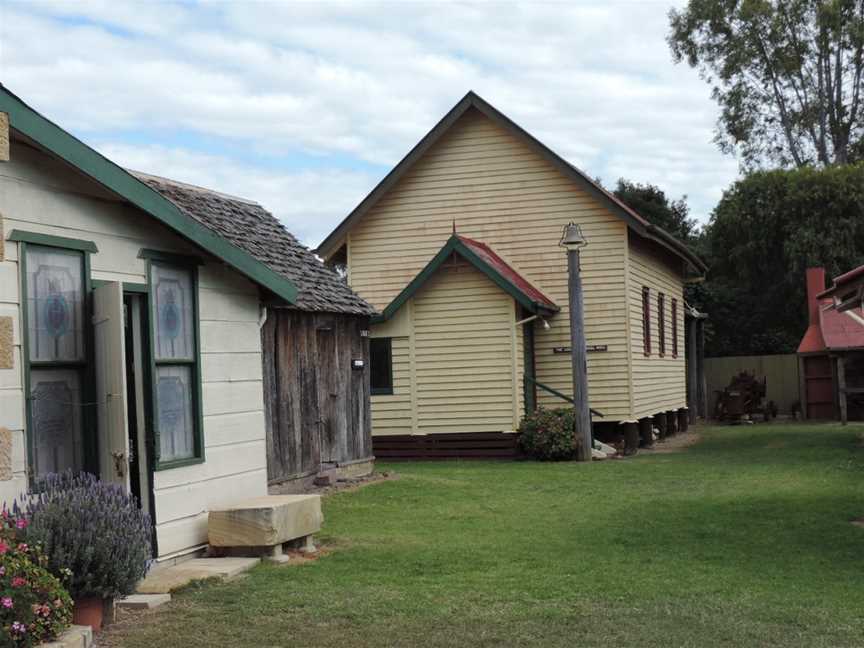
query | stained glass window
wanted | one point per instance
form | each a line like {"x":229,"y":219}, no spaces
{"x":174,"y":391}
{"x":172,"y":313}
{"x":55,"y":397}
{"x":55,"y":304}
{"x":175,"y":346}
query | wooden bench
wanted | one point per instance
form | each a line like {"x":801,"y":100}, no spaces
{"x":262,"y":525}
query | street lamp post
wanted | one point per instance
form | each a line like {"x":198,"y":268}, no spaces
{"x":574,"y":241}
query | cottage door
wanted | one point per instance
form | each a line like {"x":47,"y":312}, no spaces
{"x":110,"y":348}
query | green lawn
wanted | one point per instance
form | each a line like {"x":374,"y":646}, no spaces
{"x":741,"y":540}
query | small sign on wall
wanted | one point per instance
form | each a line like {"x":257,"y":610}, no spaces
{"x":591,"y":348}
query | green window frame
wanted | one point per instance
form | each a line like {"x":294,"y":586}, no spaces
{"x":189,"y":364}
{"x":29,"y":242}
{"x":381,"y":351}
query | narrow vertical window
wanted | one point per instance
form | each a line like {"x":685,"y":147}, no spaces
{"x":176,"y":364}
{"x":661,"y":324}
{"x":56,"y":356}
{"x":646,"y":320}
{"x":381,"y":365}
{"x":674,"y":328}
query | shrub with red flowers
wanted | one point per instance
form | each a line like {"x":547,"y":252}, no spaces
{"x":548,"y":435}
{"x":34,"y":606}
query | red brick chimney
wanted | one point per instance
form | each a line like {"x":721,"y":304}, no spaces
{"x":815,"y":285}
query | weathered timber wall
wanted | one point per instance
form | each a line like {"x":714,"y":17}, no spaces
{"x":316,"y":406}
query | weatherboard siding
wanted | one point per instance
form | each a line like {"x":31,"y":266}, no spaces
{"x":391,"y":413}
{"x":659,"y":383}
{"x":39,"y":194}
{"x":463,"y":326}
{"x":503,"y":193}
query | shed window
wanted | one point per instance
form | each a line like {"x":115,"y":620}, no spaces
{"x":176,"y":363}
{"x":674,"y":328}
{"x":381,"y":365}
{"x":56,"y":354}
{"x":661,"y":324}
{"x":646,"y":320}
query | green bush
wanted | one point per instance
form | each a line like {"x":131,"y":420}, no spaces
{"x":548,"y":435}
{"x":34,"y":606}
{"x":92,"y":529}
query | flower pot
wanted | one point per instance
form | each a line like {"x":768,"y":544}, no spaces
{"x":88,"y":611}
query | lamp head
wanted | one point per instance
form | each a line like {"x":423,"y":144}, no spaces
{"x":572,"y":237}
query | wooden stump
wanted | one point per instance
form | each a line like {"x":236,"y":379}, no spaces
{"x":660,"y":424}
{"x":671,"y":423}
{"x":646,"y":433}
{"x":683,"y":419}
{"x":631,"y":439}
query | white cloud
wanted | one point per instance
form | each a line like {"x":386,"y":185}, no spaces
{"x":358,"y":84}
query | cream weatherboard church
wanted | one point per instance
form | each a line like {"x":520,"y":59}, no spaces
{"x":457,"y":247}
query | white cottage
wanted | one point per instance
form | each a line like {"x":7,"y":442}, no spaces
{"x":130,"y":341}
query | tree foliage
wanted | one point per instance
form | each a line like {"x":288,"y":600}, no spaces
{"x":651,"y":202}
{"x":786,"y":73}
{"x":767,"y":229}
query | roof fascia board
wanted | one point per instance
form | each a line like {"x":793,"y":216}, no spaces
{"x":47,"y":134}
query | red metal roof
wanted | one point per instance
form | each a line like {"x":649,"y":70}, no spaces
{"x":500,"y":266}
{"x":830,"y":329}
{"x":842,"y":280}
{"x":839,"y":330}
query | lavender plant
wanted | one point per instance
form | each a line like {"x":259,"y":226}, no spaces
{"x":93,"y":529}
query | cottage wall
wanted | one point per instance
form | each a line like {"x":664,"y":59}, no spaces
{"x":40,"y":194}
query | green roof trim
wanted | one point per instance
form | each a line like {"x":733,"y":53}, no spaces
{"x":50,"y":240}
{"x":47,"y":134}
{"x":455,"y":246}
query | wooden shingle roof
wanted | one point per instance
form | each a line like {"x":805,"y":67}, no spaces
{"x":255,"y":230}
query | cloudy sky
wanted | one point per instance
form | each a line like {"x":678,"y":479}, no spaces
{"x":304,"y":107}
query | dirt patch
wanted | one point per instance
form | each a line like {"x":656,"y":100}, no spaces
{"x":347,"y":484}
{"x":859,"y":522}
{"x":677,"y":443}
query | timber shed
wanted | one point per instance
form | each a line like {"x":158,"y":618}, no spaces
{"x":831,"y":353}
{"x":315,"y":351}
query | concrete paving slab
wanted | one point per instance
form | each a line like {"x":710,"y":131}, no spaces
{"x":142,"y":601}
{"x":164,"y":580}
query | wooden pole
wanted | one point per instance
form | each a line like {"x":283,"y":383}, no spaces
{"x":578,"y":358}
{"x":841,"y":389}
{"x":692,"y":368}
{"x":701,"y":386}
{"x":802,"y":387}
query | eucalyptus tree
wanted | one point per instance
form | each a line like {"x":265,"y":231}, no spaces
{"x":786,"y":73}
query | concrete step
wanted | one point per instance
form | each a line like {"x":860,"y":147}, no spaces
{"x":163,"y":580}
{"x":75,"y":637}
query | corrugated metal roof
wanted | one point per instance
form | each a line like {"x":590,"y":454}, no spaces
{"x":506,"y":271}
